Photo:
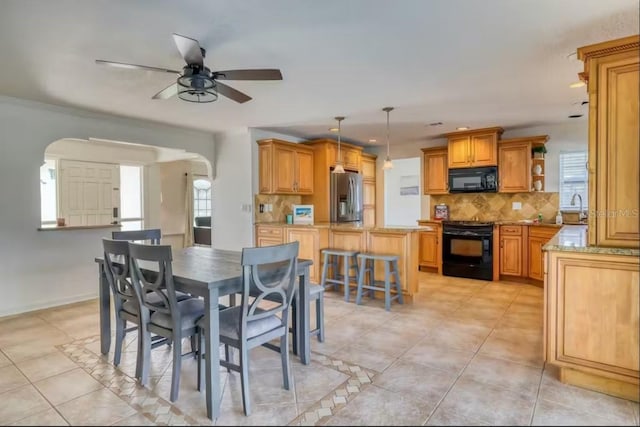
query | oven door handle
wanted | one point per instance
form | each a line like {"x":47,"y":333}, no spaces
{"x":466,"y":234}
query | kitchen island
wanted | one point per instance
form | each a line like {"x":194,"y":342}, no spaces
{"x":592,"y":312}
{"x":400,"y":241}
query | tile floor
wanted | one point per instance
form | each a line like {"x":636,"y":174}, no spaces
{"x":465,"y":352}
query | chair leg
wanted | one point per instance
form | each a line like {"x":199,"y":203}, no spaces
{"x":398,"y":284}
{"x":227,"y":356}
{"x":320,"y":316}
{"x":200,"y":348}
{"x":139,"y":356}
{"x":177,"y":365}
{"x":325,"y":265}
{"x":121,"y":325}
{"x":244,"y":378}
{"x":284,"y":356}
{"x":345,"y":267}
{"x":146,"y":356}
{"x":387,"y":287}
{"x":360,"y":281}
{"x":194,"y":347}
{"x":293,"y":322}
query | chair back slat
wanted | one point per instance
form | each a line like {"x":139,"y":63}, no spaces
{"x":116,"y":270}
{"x":268,"y":273}
{"x":147,"y":282}
{"x":151,"y":235}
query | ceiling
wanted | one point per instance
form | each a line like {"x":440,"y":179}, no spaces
{"x":462,"y":63}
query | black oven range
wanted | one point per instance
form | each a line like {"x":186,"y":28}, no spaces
{"x":467,"y":249}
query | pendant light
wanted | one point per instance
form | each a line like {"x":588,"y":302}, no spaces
{"x":387,"y":162}
{"x":339,"y":168}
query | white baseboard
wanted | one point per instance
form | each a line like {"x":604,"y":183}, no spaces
{"x":48,"y":304}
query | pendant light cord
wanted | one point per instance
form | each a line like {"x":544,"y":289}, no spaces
{"x":388,"y":134}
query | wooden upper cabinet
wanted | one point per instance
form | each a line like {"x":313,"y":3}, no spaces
{"x":435,"y":171}
{"x":368,"y":166}
{"x":473,"y":148}
{"x":612,"y":72}
{"x":284,"y":167}
{"x":515,"y":164}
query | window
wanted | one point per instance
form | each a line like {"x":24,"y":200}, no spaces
{"x":131,"y":216}
{"x":573,"y":179}
{"x":48,"y":192}
{"x":201,"y":198}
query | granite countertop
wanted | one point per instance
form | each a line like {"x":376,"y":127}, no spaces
{"x":573,"y":238}
{"x":348,"y":226}
{"x":528,"y":223}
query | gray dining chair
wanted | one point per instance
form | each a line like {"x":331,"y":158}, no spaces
{"x":268,"y":275}
{"x":151,"y":235}
{"x":152,"y":279}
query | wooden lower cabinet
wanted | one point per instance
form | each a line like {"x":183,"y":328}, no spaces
{"x":312,"y":240}
{"x":511,"y":255}
{"x":538,"y":237}
{"x":404,"y":244}
{"x":429,"y":249}
{"x":592,"y":320}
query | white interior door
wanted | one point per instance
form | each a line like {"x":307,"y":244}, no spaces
{"x":89,"y":192}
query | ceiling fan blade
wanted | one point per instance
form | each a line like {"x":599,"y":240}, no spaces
{"x":189,"y":49}
{"x":168,"y":92}
{"x":134,"y":66}
{"x":263,"y":74}
{"x":232,"y":93}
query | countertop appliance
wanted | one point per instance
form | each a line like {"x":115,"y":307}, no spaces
{"x":473,"y":180}
{"x":346,"y":197}
{"x":467,"y":249}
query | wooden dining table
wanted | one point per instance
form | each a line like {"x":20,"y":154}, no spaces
{"x":210,"y":274}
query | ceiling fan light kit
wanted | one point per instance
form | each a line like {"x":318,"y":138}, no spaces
{"x":197,"y":83}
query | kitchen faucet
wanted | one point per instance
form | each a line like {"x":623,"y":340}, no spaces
{"x":581,"y":214}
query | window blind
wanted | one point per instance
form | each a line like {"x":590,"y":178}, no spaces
{"x":573,"y":179}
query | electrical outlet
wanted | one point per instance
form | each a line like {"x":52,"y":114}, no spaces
{"x":269,"y":207}
{"x":516,"y":206}
{"x":261,"y":207}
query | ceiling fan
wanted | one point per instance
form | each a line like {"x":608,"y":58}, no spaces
{"x":196,"y":82}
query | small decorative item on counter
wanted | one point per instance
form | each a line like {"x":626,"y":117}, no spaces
{"x":559,"y":218}
{"x":303,"y":214}
{"x":289,"y":218}
{"x":537,"y":185}
{"x":60,"y":222}
{"x":539,"y":218}
{"x":441,"y":212}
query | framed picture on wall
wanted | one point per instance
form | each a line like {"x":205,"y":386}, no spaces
{"x":303,"y":214}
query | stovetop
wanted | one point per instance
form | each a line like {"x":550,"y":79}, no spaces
{"x":469,"y":223}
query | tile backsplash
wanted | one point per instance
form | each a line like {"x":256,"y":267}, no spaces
{"x":281,"y":206}
{"x":498,"y":206}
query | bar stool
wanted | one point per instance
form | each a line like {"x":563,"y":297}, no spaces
{"x":366,"y":265}
{"x":332,"y":257}
{"x":316,"y":293}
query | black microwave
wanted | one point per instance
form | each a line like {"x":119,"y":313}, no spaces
{"x":473,"y":180}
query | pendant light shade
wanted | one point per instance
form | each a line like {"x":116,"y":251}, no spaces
{"x":387,"y":162}
{"x":339,"y":168}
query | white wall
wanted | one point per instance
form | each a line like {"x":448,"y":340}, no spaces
{"x":402,"y":209}
{"x":95,"y":151}
{"x":231,"y":190}
{"x":47,"y":268}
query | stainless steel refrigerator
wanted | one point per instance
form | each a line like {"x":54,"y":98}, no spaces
{"x":346,"y":197}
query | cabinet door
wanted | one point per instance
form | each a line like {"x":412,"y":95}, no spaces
{"x":514,"y":175}
{"x":458,"y":152}
{"x":265,"y":169}
{"x":511,"y":255}
{"x":484,"y":150}
{"x":369,"y":216}
{"x":304,"y":172}
{"x":617,"y":195}
{"x":436,"y":179}
{"x":368,"y":193}
{"x":351,"y":159}
{"x":284,"y":169}
{"x":429,"y":249}
{"x":368,"y":168}
{"x":309,"y":248}
{"x":268,"y":241}
{"x":536,"y":257}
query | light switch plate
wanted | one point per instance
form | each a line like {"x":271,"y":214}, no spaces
{"x":516,"y":206}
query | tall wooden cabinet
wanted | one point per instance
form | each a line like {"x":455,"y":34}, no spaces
{"x":368,"y":163}
{"x":473,"y":148}
{"x":435,"y":170}
{"x":284,"y":167}
{"x":611,"y":70}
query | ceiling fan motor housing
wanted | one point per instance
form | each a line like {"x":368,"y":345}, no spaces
{"x":196,"y":84}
